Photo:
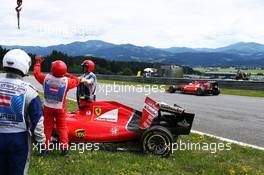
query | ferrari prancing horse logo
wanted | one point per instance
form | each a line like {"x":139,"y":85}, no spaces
{"x":98,"y":111}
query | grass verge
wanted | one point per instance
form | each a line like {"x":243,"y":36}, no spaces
{"x":238,"y":160}
{"x":250,"y":93}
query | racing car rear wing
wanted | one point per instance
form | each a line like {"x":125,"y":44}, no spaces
{"x":149,"y":112}
{"x":175,"y":109}
{"x":181,"y":122}
{"x":152,"y":108}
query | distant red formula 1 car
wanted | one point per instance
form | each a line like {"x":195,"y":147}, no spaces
{"x":197,"y":87}
{"x":157,"y":126}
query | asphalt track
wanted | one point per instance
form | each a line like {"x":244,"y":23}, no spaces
{"x":233,"y":117}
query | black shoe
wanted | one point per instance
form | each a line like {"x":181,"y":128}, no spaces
{"x":65,"y":153}
{"x":42,"y":151}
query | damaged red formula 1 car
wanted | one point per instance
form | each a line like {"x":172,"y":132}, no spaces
{"x":197,"y":87}
{"x":157,"y":126}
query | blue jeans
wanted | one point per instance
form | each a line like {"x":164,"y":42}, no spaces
{"x":14,"y":153}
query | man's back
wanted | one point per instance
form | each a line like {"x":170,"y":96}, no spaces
{"x":20,"y":115}
{"x":15,"y":97}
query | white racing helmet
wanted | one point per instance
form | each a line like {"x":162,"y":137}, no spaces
{"x":17,"y":59}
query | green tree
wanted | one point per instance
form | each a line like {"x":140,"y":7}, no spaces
{"x":127,"y":71}
{"x":176,"y":73}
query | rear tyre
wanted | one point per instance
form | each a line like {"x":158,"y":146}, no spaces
{"x":216,"y":92}
{"x":158,"y":141}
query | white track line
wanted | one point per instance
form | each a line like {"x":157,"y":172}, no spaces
{"x":229,"y":140}
{"x":72,"y":99}
{"x":217,"y":137}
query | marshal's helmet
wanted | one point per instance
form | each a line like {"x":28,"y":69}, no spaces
{"x":58,"y":68}
{"x":88,"y":66}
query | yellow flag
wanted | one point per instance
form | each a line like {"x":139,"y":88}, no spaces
{"x":139,"y":74}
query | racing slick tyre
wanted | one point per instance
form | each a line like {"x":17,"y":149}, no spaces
{"x":172,"y":89}
{"x":199,"y":91}
{"x":216,"y":92}
{"x":157,"y":140}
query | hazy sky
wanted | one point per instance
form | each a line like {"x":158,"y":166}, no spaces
{"x":159,"y":23}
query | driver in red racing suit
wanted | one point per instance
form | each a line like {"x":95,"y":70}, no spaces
{"x":56,"y":86}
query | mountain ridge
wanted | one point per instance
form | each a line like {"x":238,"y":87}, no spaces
{"x":237,"y":54}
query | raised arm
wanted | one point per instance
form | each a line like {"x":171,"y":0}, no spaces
{"x":40,"y":77}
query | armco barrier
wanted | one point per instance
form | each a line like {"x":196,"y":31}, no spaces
{"x":230,"y":84}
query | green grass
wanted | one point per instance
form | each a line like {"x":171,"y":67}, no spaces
{"x":239,"y":160}
{"x":249,"y":93}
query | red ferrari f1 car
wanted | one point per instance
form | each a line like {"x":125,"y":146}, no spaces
{"x":157,"y":126}
{"x":197,"y":87}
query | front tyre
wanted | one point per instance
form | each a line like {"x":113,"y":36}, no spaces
{"x":158,"y":141}
{"x":172,"y":89}
{"x":199,"y":91}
